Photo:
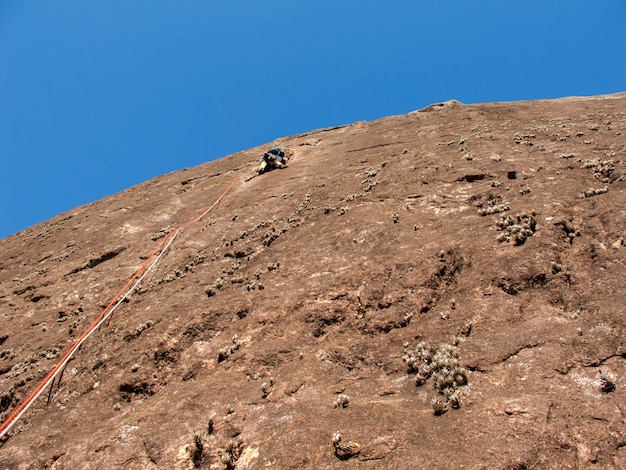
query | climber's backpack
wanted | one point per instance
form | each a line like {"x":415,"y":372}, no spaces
{"x":277,"y":152}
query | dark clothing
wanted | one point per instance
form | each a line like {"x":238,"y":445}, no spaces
{"x":272,"y":159}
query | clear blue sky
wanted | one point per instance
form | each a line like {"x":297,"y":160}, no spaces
{"x":99,"y":95}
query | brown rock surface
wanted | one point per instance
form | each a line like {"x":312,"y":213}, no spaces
{"x":371,"y":238}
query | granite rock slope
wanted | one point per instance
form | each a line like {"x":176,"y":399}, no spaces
{"x":442,"y":289}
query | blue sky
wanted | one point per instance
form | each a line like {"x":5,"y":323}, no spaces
{"x":97,"y":96}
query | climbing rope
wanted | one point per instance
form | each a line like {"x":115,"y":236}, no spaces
{"x":120,"y":297}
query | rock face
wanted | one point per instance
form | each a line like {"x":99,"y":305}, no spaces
{"x":443,"y":289}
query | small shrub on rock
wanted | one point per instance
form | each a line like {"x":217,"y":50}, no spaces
{"x":443,"y":365}
{"x":607,"y":381}
{"x":517,"y":228}
{"x":344,"y":450}
{"x":593,"y":192}
{"x":232,"y":453}
{"x":341,"y":401}
{"x":227,"y":351}
{"x":439,"y":405}
{"x":494,"y":209}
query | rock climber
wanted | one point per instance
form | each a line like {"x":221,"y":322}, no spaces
{"x":272,"y":159}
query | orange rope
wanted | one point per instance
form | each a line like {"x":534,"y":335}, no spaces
{"x":117,"y":299}
{"x":219,"y":199}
